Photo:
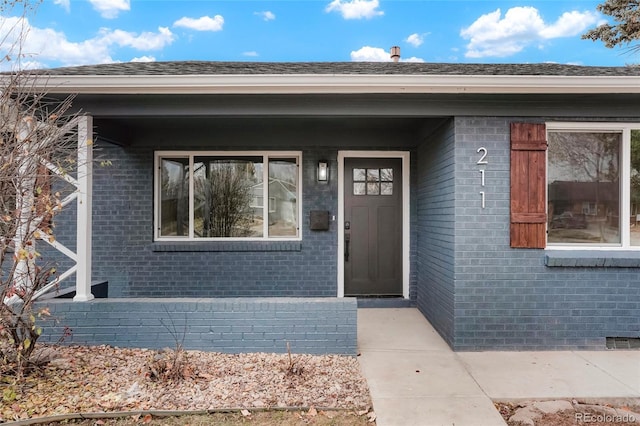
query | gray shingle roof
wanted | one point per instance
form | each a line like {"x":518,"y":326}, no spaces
{"x":340,"y":68}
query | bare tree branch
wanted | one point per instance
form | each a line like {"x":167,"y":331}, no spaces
{"x":34,"y":130}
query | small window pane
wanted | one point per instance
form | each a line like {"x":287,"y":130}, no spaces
{"x":227,"y":193}
{"x":635,"y":188}
{"x":386,"y":175}
{"x":359,"y":175}
{"x":373,"y":175}
{"x":373,"y":188}
{"x":584,"y":188}
{"x":283,"y":199}
{"x":359,"y":188}
{"x":174,"y":197}
{"x":386,"y":188}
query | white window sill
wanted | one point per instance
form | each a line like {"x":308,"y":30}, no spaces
{"x":592,"y":258}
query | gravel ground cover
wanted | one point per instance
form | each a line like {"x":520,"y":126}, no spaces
{"x":107,"y":379}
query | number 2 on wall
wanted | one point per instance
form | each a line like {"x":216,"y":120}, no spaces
{"x":483,"y":157}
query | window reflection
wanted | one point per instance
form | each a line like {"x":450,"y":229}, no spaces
{"x":635,"y":188}
{"x":224,"y":195}
{"x":373,"y":175}
{"x":373,"y":188}
{"x":584,"y":187}
{"x":224,"y":190}
{"x":359,"y":188}
{"x":283,"y":201}
{"x":174,"y":197}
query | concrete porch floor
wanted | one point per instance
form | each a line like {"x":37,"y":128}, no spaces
{"x":416,"y":379}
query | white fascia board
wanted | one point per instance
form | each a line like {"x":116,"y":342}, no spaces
{"x":337,"y":84}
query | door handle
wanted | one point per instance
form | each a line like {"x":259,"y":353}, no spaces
{"x":347,"y":237}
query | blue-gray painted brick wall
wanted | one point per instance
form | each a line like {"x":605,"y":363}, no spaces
{"x":507,"y":298}
{"x":229,"y":325}
{"x":478,"y":292}
{"x":413,"y":224}
{"x":436,"y":227}
{"x":126,"y":256}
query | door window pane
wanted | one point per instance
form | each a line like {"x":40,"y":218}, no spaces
{"x":386,"y":176}
{"x":373,"y":181}
{"x":226,"y":189}
{"x":635,"y":188}
{"x":174,"y":197}
{"x":584,"y":188}
{"x":373,"y":188}
{"x":283,"y":200}
{"x":386,"y":188}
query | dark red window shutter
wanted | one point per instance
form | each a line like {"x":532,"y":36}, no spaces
{"x":528,"y":180}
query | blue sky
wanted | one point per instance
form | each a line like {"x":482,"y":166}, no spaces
{"x":70,"y":32}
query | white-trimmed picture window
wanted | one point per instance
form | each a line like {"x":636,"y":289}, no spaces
{"x":593,"y":185}
{"x":220,"y":195}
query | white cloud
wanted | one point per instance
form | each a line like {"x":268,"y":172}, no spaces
{"x":143,"y":41}
{"x":412,"y":59}
{"x":491,"y":35}
{"x":266,"y":15}
{"x":204,"y":23}
{"x":250,"y":54}
{"x":355,"y":9}
{"x":377,"y":54}
{"x":110,"y":9}
{"x":30,"y":65}
{"x":66,"y":4}
{"x":144,"y":58}
{"x":370,"y":54}
{"x":571,"y":24}
{"x":47,"y":46}
{"x":415,"y":39}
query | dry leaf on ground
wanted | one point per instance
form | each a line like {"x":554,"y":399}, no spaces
{"x":103,"y":378}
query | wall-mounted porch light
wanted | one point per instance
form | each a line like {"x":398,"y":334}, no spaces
{"x":323,"y":171}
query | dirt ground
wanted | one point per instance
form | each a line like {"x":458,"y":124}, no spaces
{"x":265,"y":418}
{"x":572,"y":417}
{"x":83,"y":379}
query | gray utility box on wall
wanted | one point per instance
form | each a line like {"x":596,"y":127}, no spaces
{"x":319,"y":220}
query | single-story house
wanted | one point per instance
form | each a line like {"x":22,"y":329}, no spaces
{"x":406,"y":184}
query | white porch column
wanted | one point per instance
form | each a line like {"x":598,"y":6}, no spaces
{"x":84,"y":231}
{"x":23,"y":239}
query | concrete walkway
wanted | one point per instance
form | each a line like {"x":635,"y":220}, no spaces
{"x":416,"y":379}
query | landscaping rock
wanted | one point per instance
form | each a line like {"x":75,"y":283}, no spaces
{"x":526,"y":415}
{"x":550,"y":407}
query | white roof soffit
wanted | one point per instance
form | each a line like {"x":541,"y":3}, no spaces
{"x":336,"y":83}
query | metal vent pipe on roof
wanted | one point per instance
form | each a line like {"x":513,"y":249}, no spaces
{"x":395,"y":53}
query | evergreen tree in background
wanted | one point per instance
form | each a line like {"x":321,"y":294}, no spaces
{"x":626,"y":14}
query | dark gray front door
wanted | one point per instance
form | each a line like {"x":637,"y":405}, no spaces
{"x":373,"y":227}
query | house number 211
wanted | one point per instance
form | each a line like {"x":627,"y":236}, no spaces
{"x":481,"y":162}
